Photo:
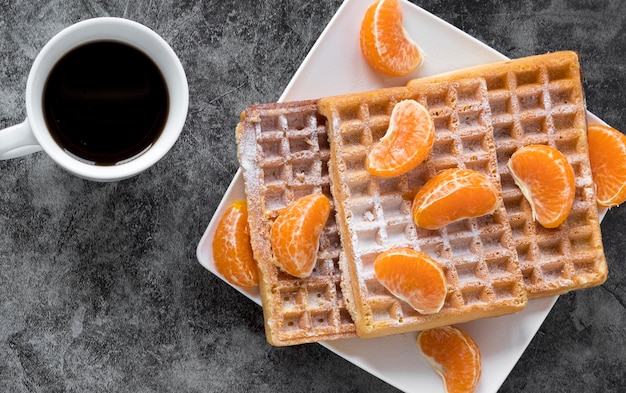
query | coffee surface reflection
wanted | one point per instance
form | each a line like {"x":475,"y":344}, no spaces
{"x":105,"y":102}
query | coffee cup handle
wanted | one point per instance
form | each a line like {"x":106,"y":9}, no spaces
{"x":17,"y":141}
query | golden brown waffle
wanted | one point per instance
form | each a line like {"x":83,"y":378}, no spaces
{"x":539,"y":99}
{"x":373,"y":214}
{"x":283,"y":150}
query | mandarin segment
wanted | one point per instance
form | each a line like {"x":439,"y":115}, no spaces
{"x":607,"y":155}
{"x":385,"y":43}
{"x":407,"y":142}
{"x":295,"y":234}
{"x":232,"y":251}
{"x":413,"y":277}
{"x":451,"y":195}
{"x":454,"y":355}
{"x":546,"y":179}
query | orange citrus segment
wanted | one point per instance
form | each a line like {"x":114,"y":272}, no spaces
{"x":607,"y":155}
{"x":406,"y":144}
{"x":546,"y":179}
{"x":454,"y":355}
{"x":452,"y":195}
{"x":232,"y":252}
{"x":384,"y":42}
{"x":295,"y":234}
{"x":413,"y":277}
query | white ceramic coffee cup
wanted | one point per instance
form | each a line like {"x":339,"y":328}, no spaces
{"x":33,"y":135}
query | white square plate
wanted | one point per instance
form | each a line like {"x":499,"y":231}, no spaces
{"x":335,"y":66}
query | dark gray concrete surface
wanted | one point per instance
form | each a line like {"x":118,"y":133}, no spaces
{"x":100,"y":289}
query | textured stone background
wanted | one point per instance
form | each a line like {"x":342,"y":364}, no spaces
{"x":100,"y":289}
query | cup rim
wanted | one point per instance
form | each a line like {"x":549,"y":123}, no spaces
{"x":109,"y":29}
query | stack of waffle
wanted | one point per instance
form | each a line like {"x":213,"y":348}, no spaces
{"x":492,"y":263}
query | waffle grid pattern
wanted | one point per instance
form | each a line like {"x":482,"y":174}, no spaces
{"x":540,"y":100}
{"x":546,"y":105}
{"x":478,"y":255}
{"x":492,"y":263}
{"x":289,"y":150}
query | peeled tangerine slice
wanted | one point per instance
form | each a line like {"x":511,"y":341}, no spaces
{"x":232,"y":251}
{"x":546,"y":179}
{"x":607,"y":156}
{"x":413,"y":277}
{"x":407,"y":142}
{"x":454,"y":355}
{"x":295,"y":234}
{"x":385,"y":43}
{"x":452,"y":195}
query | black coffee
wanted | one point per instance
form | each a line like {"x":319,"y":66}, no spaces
{"x":105,"y":102}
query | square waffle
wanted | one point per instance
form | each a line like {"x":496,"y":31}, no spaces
{"x":540,"y":100}
{"x":478,"y":255}
{"x":283,"y":151}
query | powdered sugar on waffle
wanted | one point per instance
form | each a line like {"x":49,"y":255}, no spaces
{"x":540,"y":100}
{"x":283,"y":151}
{"x":374,"y":214}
